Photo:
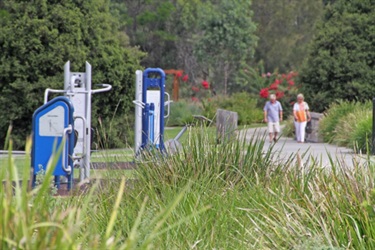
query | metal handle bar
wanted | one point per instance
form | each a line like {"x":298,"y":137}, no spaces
{"x":106,"y":87}
{"x":139,"y":103}
{"x":47,"y":91}
{"x":183,"y":130}
{"x":67,"y":169}
{"x":84,"y":134}
{"x":168,"y":104}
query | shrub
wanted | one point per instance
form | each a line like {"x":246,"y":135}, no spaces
{"x":182,"y":113}
{"x":348,"y":124}
{"x":332,"y":117}
{"x":288,"y":129}
{"x":242,"y":103}
{"x":113,"y":132}
{"x":361,"y":136}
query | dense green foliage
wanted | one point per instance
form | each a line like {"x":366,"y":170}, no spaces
{"x":228,"y":39}
{"x":244,"y":104}
{"x":348,"y":124}
{"x":341,"y":63}
{"x":182,"y":113}
{"x":35,"y":42}
{"x":195,"y":36}
{"x":333,"y":115}
{"x":213,"y":40}
{"x":285,"y":29}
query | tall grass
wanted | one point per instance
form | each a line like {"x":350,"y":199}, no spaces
{"x":354,"y":129}
{"x":207,"y":196}
{"x":348,"y":124}
{"x":257,"y":204}
{"x":35,"y":219}
{"x":335,"y":114}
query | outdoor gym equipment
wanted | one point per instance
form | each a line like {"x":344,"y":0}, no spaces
{"x":150,"y":109}
{"x":53,"y":125}
{"x":78,"y":92}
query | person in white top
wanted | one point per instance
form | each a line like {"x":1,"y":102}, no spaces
{"x":301,"y":117}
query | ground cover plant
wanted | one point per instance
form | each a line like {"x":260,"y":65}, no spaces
{"x":223,"y":196}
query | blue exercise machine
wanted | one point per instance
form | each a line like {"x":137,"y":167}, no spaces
{"x":53,"y":127}
{"x":150,"y":109}
{"x":76,"y":105}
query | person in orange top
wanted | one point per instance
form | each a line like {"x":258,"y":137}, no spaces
{"x":301,"y":117}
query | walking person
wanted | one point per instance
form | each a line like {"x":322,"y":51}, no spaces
{"x":273,"y":115}
{"x":301,"y":117}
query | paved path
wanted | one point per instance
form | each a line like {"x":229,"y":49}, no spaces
{"x":285,"y":147}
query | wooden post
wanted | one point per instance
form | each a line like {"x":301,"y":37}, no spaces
{"x":176,"y":86}
{"x":176,"y":82}
{"x":226,"y":125}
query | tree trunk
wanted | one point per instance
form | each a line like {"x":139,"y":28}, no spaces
{"x":226,"y":69}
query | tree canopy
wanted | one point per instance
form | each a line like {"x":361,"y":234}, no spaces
{"x":204,"y":38}
{"x":340,"y":64}
{"x":35,"y":42}
{"x":227,"y":39}
{"x":285,"y":28}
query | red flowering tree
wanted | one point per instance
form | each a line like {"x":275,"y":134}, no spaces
{"x":283,"y":86}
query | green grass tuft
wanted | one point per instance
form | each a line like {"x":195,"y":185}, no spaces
{"x":207,"y":196}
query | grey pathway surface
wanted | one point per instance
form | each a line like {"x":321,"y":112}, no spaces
{"x":285,"y":148}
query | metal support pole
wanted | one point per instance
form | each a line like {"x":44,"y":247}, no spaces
{"x":87,"y":157}
{"x":138,"y":111}
{"x":151,"y":124}
{"x":145,"y":127}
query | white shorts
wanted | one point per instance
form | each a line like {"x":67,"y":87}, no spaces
{"x":273,"y":127}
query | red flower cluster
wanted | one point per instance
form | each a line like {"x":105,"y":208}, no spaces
{"x":194,"y":99}
{"x":273,"y":86}
{"x":179,"y":74}
{"x":185,"y":78}
{"x":276,"y":86}
{"x":279,"y":94}
{"x":205,"y":84}
{"x":264,"y":93}
{"x":195,"y":89}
